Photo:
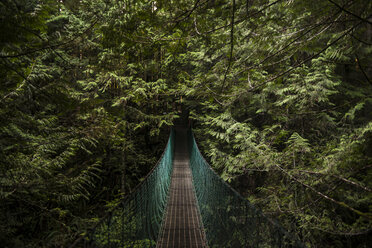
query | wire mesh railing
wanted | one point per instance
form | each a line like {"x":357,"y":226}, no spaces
{"x":230,"y":220}
{"x":136,"y":221}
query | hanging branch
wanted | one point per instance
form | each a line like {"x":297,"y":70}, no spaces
{"x":308,"y":58}
{"x":341,"y":178}
{"x":52,"y":46}
{"x":231,"y":45}
{"x":365,"y":215}
{"x":244,"y":19}
{"x":183,"y":17}
{"x":196,"y":27}
{"x":188,"y":12}
{"x":361,"y":41}
{"x":350,"y":13}
{"x":295,"y":41}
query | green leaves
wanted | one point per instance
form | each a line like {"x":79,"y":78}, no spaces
{"x":287,"y":127}
{"x":89,"y":88}
{"x":298,"y":144}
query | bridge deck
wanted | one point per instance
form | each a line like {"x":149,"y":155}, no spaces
{"x":182,"y":226}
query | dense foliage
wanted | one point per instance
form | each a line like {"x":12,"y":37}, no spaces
{"x":280,"y":93}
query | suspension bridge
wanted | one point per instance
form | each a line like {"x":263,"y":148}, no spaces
{"x":184,"y":203}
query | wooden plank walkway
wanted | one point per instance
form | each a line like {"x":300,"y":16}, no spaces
{"x":182,"y":226}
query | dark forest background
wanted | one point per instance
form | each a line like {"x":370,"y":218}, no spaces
{"x":279,"y":93}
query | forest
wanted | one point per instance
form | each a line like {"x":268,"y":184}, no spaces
{"x":279,"y":93}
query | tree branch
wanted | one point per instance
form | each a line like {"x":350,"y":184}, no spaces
{"x":362,"y":41}
{"x":51,"y":46}
{"x":340,"y":178}
{"x":349,"y":12}
{"x":231,"y":43}
{"x":308,"y":58}
{"x":361,"y":68}
{"x":361,"y":232}
{"x":243,"y":19}
{"x":364,"y":215}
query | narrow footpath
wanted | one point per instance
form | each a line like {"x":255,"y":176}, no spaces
{"x":182,"y":226}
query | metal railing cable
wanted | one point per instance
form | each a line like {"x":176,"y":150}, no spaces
{"x":136,"y":221}
{"x":230,"y":220}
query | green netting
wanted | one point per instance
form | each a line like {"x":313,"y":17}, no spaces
{"x":230,"y":220}
{"x":136,"y":221}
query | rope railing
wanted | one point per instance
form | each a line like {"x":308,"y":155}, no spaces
{"x":230,"y":220}
{"x":136,"y":221}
